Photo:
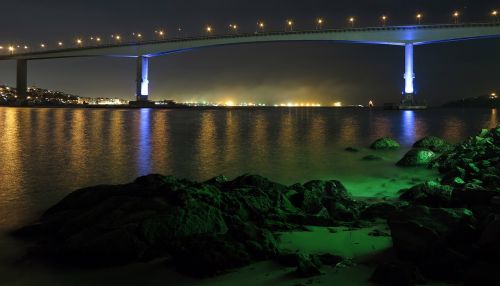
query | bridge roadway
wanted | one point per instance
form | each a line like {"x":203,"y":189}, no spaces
{"x":407,"y":36}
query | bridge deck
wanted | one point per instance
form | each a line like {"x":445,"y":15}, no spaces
{"x":390,"y":35}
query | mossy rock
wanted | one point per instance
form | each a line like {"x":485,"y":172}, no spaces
{"x":417,"y":157}
{"x":435,"y":144}
{"x":385,"y":143}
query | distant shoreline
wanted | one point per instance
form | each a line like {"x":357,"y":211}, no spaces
{"x":226,"y":107}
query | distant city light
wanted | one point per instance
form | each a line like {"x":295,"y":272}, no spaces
{"x":229,"y":103}
{"x":493,"y":95}
{"x":337,"y":104}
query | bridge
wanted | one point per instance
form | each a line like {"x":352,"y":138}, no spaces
{"x":405,"y":36}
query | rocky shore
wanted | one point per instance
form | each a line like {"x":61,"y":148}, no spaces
{"x":447,"y":230}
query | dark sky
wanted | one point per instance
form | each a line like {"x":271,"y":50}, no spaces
{"x":271,"y":73}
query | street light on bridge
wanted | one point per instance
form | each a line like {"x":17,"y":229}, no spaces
{"x":289,"y":24}
{"x":319,"y":23}
{"x":233,"y":28}
{"x":261,"y":26}
{"x":456,"y":16}
{"x":117,"y":38}
{"x":137,"y":35}
{"x":11,"y":50}
{"x":209,"y":30}
{"x":42,"y":45}
{"x":79,"y":42}
{"x":419,"y":18}
{"x":494,"y":14}
{"x":384,"y":19}
{"x":160,"y":34}
{"x":352,"y":20}
{"x":60,"y":44}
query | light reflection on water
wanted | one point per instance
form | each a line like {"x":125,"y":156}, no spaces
{"x":47,"y":153}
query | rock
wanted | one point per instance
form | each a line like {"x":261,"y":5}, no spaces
{"x":489,"y":241}
{"x":435,"y":239}
{"x":385,"y":143}
{"x":382,"y":210}
{"x":330,"y":259}
{"x":372,"y":158}
{"x":435,"y":144}
{"x":470,"y":195}
{"x":417,"y":231}
{"x":482,"y":273}
{"x":316,"y":196}
{"x":307,"y":266}
{"x":430,"y":194}
{"x":206,"y":256}
{"x":351,"y":149}
{"x":396,"y":274}
{"x":207,"y":227}
{"x":378,"y":233}
{"x":417,"y":157}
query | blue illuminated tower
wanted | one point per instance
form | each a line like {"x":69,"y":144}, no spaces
{"x":409,"y":76}
{"x":142,"y":91}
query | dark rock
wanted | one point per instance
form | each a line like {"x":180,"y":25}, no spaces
{"x":482,"y":273}
{"x":308,"y":266}
{"x":372,"y":158}
{"x":382,"y":210}
{"x":315,"y":197}
{"x":209,"y":255}
{"x":330,"y":259}
{"x":396,"y":274}
{"x":417,"y":157}
{"x":435,"y":144}
{"x":378,"y":233}
{"x":437,"y":240}
{"x":351,"y":149}
{"x":430,"y":193}
{"x":489,"y":242}
{"x":385,"y":143}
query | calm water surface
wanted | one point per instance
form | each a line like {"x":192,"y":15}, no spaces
{"x":46,"y":153}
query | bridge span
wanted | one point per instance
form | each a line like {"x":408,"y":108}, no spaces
{"x":405,"y":36}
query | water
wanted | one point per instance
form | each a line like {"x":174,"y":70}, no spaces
{"x":48,"y":152}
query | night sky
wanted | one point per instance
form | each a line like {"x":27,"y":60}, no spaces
{"x":269,"y":73}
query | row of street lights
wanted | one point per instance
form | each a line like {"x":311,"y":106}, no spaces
{"x":233,"y":28}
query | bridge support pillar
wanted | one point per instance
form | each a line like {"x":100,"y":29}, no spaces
{"x":142,"y":91}
{"x":22,"y":79}
{"x":409,"y":76}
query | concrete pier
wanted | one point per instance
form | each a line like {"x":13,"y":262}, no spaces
{"x":22,"y":79}
{"x":142,"y":90}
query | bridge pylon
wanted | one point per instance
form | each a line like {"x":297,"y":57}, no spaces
{"x":22,"y":79}
{"x":142,"y":90}
{"x":409,"y":76}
